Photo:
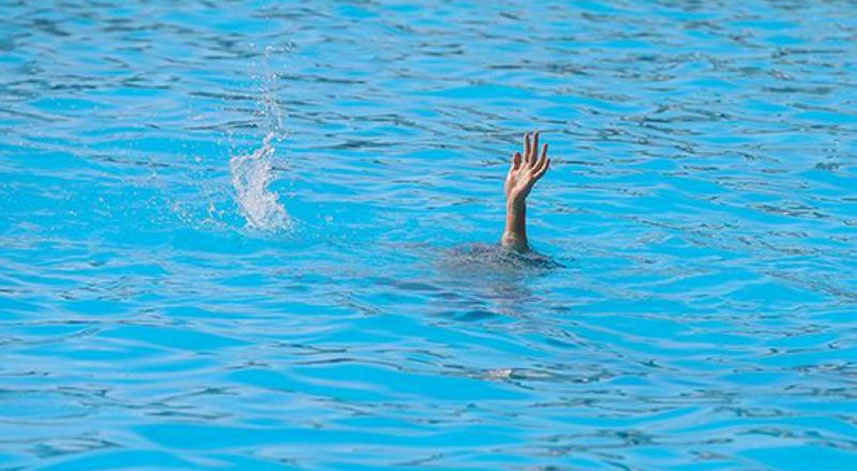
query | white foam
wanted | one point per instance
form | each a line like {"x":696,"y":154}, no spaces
{"x":251,"y":175}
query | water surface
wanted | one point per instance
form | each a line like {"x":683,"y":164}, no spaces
{"x":234,"y":236}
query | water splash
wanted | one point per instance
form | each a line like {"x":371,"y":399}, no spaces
{"x":251,"y":175}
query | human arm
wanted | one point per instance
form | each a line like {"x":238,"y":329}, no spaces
{"x":525,"y":170}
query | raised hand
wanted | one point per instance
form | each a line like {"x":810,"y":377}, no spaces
{"x":526,"y":169}
{"x":523,"y":174}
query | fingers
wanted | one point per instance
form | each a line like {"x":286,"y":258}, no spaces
{"x":531,"y":158}
{"x":534,"y":148}
{"x":516,"y":160}
{"x":541,"y":161}
{"x":541,"y":171}
{"x":527,"y":147}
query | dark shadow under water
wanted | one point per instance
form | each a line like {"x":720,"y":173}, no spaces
{"x":477,"y":258}
{"x":470,"y":282}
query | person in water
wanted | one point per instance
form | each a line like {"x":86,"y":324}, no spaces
{"x":524,"y":172}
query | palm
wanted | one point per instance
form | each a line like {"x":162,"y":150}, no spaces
{"x":518,"y":181}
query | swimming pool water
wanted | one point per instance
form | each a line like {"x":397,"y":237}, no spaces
{"x":235,"y":236}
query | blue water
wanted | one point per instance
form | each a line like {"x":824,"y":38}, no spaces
{"x":238,"y":236}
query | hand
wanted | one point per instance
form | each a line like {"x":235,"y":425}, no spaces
{"x":526,"y":170}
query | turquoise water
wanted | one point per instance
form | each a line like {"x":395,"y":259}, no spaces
{"x":234,"y":236}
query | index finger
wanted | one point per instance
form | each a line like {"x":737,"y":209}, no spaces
{"x":535,"y":147}
{"x":526,"y":146}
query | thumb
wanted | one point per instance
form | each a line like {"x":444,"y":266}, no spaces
{"x":516,"y":161}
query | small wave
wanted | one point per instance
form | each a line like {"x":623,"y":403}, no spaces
{"x":251,"y":175}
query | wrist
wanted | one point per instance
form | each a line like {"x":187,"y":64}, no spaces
{"x":515,"y":202}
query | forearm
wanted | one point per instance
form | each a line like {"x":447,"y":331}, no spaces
{"x":515,"y":234}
